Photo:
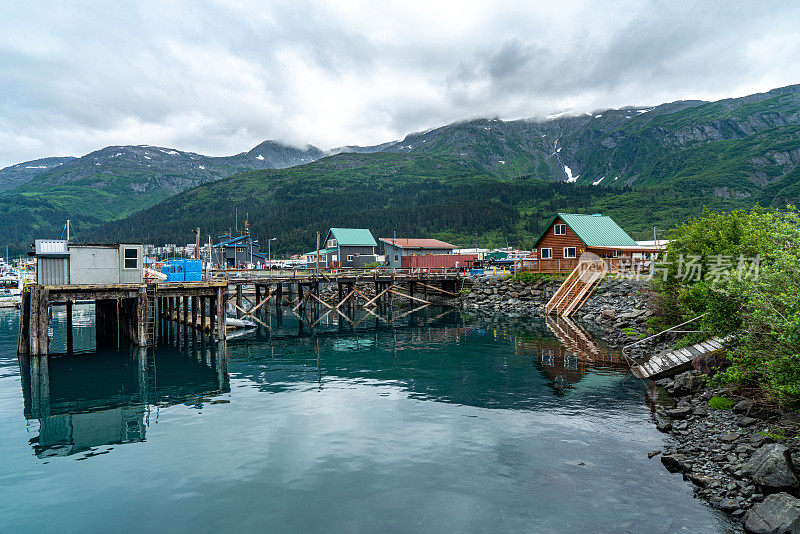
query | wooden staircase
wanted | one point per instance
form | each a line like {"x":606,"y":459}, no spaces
{"x":577,"y":288}
{"x":671,"y":361}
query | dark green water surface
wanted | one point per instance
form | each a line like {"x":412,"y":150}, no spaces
{"x":432,"y":422}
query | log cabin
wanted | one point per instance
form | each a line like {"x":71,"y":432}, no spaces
{"x":568,"y":235}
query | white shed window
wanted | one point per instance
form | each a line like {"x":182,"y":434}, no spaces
{"x":547,"y":253}
{"x":560,"y":229}
{"x":131,"y":258}
{"x":570,"y":252}
{"x":349,"y":257}
{"x":397,"y":257}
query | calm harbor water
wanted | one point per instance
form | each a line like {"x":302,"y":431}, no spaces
{"x":435,"y":421}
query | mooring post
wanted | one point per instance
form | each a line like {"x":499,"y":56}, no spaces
{"x":221,"y":315}
{"x":69,"y":326}
{"x":194,"y":313}
{"x":33,"y":328}
{"x":279,"y":294}
{"x":238,"y":299}
{"x":44,"y":321}
{"x":23,"y":340}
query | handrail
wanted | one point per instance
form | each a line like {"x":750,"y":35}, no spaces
{"x":662,"y":332}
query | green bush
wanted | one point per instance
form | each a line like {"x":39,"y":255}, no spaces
{"x":760,"y":307}
{"x":529,"y":278}
{"x":720,"y":403}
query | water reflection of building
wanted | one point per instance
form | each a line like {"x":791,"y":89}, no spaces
{"x":103,"y":398}
{"x":569,"y":354}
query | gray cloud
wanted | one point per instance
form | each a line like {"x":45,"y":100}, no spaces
{"x":219,"y":77}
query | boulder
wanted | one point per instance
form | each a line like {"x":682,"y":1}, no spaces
{"x":673,"y":462}
{"x":688,"y":382}
{"x":743,"y":406}
{"x":679,"y":413}
{"x":771,"y":468}
{"x":777,"y":514}
{"x":607,"y":314}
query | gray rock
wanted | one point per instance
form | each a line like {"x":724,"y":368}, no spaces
{"x":688,"y":382}
{"x":743,"y":406}
{"x":679,"y":413}
{"x":747,"y":421}
{"x":777,"y":514}
{"x":673,"y":462}
{"x":653,"y":453}
{"x":771,"y":468}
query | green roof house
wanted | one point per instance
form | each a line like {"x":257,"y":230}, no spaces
{"x":568,"y":235}
{"x":350,"y":247}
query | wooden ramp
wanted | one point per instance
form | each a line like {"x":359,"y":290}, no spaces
{"x":577,"y":288}
{"x":674,"y":360}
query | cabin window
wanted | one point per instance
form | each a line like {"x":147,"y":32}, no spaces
{"x":349,"y":257}
{"x":547,"y":253}
{"x":332,"y":243}
{"x":560,"y":229}
{"x":397,"y":257}
{"x":615,"y":253}
{"x":131,"y":258}
{"x":570,"y":252}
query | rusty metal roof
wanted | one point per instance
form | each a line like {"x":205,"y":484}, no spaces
{"x":410,"y":242}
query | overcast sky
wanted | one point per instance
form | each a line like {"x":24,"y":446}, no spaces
{"x":218,"y":77}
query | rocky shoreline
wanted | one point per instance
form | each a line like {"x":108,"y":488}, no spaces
{"x":736,"y":452}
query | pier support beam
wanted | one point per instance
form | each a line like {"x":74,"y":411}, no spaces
{"x":69,"y":326}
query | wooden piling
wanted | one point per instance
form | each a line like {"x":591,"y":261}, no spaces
{"x":194,"y":313}
{"x":141,"y":317}
{"x":69,"y":326}
{"x":221,"y":314}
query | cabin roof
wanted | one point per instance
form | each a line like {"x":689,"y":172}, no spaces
{"x":406,"y":242}
{"x":353,"y":237}
{"x":594,"y":230}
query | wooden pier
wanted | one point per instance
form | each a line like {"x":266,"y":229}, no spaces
{"x":128,"y":309}
{"x":133,"y":309}
{"x":301,"y":290}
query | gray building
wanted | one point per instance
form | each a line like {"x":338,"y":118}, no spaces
{"x":59,"y":262}
{"x":396,"y":248}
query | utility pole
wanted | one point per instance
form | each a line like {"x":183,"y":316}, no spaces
{"x":197,"y":243}
{"x":317,"y":263}
{"x":269,"y":250}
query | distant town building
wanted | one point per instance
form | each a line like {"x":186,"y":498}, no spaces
{"x":396,"y":248}
{"x":236,"y":252}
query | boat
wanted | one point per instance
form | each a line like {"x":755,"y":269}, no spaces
{"x":11,"y":283}
{"x":234,"y":323}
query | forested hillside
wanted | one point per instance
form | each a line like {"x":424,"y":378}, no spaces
{"x":408,"y":194}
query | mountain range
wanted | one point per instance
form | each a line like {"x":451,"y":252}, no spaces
{"x":678,"y":156}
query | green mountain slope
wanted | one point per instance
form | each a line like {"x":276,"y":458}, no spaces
{"x":410,"y":194}
{"x":114,"y":182}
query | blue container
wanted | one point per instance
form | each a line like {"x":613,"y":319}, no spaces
{"x":179,"y":270}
